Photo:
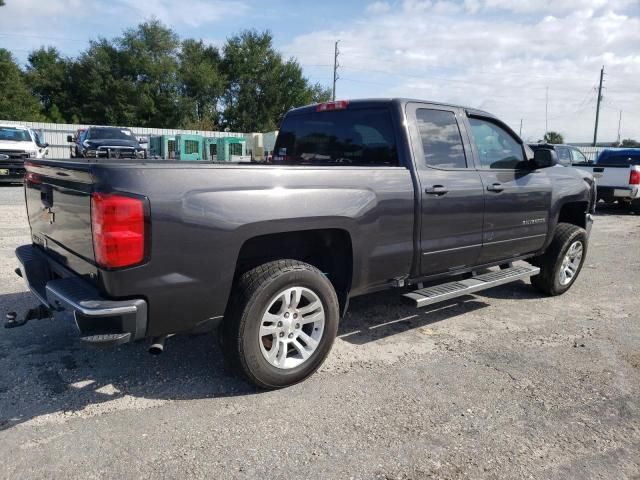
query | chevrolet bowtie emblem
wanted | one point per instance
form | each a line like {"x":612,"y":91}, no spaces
{"x":48,"y":215}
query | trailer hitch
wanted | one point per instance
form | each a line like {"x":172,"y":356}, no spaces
{"x":37,"y":313}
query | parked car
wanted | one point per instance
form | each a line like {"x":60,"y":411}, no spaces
{"x":361,"y":196}
{"x":105,"y":142}
{"x":18,"y":143}
{"x":617,"y":171}
{"x":567,"y":154}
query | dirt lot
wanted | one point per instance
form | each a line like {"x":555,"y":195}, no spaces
{"x":506,"y":384}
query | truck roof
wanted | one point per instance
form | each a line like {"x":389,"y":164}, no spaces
{"x":366,"y":102}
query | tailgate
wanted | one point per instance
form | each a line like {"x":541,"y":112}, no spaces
{"x":58,"y":200}
{"x":612,"y":175}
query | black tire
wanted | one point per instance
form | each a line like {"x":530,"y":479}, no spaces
{"x":251,"y":296}
{"x":634,"y":206}
{"x":550,"y":262}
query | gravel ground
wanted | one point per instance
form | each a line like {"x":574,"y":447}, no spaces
{"x":504,"y":384}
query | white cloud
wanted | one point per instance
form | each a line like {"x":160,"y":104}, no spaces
{"x":556,"y":6}
{"x":193,"y":13}
{"x":502,"y":63}
{"x":378,"y":7}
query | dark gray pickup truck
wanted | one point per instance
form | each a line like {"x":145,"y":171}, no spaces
{"x":361,"y":196}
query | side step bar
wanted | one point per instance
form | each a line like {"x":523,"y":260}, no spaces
{"x":447,"y":291}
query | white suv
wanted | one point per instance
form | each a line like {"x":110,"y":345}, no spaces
{"x":17,"y":144}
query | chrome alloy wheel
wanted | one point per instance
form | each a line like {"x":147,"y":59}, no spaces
{"x":571,"y":263}
{"x":291,"y":327}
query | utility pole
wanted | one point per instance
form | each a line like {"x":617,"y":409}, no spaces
{"x":546,"y":113}
{"x":595,"y":130}
{"x":520,"y":134}
{"x":619,"y":123}
{"x":336,"y":52}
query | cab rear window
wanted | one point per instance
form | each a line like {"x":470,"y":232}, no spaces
{"x":347,"y":137}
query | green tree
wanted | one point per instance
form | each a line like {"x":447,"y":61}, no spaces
{"x":47,"y":77}
{"x":261,"y":85}
{"x":202,"y":85}
{"x":16,"y":101}
{"x":101,"y":91}
{"x":149,"y":56}
{"x":553,"y":137}
{"x":629,"y":142}
{"x":148,"y":77}
{"x":131,"y":80}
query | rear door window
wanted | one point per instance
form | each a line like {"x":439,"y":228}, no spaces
{"x":348,"y":137}
{"x":441,"y":140}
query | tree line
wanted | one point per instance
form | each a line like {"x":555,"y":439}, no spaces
{"x":148,"y":77}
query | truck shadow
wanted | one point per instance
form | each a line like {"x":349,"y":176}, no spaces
{"x":384,"y":314}
{"x":46,"y":373}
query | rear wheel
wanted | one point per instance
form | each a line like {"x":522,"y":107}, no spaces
{"x":634,"y":206}
{"x":561,"y":263}
{"x":281,"y":323}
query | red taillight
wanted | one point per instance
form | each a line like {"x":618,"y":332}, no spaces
{"x":337,"y":105}
{"x":32,"y":177}
{"x":118,"y":230}
{"x":634,"y":177}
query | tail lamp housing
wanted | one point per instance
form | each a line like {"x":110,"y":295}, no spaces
{"x":634,"y":176}
{"x":118,"y":223}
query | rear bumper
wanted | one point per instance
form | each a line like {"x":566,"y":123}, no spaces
{"x":62,"y":290}
{"x":619,"y":193}
{"x":10,"y":173}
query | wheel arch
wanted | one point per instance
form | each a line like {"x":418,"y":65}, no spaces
{"x":328,"y":249}
{"x":574,"y":213}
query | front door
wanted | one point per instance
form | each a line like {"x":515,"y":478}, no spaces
{"x":452,"y":201}
{"x":517,"y":196}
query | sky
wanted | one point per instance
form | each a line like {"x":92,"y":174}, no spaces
{"x":506,"y":57}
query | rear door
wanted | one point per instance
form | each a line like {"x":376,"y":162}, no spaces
{"x":452,"y":202}
{"x":517,"y":197}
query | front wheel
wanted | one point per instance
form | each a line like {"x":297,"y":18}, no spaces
{"x":281,"y":323}
{"x":561,"y":263}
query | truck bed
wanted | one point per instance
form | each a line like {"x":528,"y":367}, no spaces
{"x":201,"y":215}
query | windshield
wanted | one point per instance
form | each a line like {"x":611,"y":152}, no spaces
{"x":10,"y":134}
{"x":110,"y":134}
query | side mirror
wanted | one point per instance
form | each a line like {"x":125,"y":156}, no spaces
{"x":70,"y":138}
{"x":543,"y":158}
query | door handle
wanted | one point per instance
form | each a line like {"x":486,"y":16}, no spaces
{"x":436,"y":190}
{"x":495,"y":187}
